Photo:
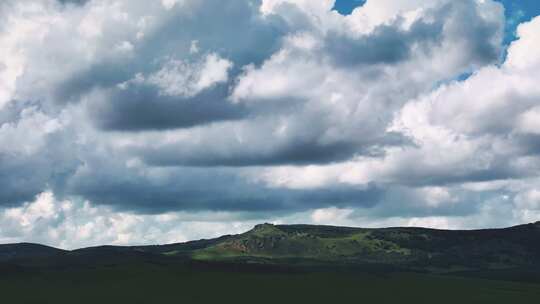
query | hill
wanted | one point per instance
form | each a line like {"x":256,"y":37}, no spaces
{"x":517,"y":246}
{"x":309,"y":245}
{"x":25,"y":251}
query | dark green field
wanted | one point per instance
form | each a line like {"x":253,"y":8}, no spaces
{"x":149,"y":283}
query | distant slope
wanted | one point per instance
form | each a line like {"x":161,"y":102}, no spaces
{"x":21,"y":251}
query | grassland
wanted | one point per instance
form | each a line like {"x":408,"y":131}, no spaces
{"x":151,"y":283}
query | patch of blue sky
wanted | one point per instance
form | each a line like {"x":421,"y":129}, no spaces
{"x":345,"y":7}
{"x":517,"y":11}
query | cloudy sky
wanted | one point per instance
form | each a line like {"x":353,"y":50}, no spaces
{"x":137,"y":122}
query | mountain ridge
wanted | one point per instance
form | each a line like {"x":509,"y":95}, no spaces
{"x":259,"y":226}
{"x":414,"y":248}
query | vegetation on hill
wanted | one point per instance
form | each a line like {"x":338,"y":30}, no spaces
{"x":309,"y":245}
{"x":415,"y":248}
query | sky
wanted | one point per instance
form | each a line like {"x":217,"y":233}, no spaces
{"x":142,"y":122}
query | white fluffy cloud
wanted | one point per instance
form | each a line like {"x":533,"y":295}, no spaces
{"x":72,"y":224}
{"x":460,"y":128}
{"x":178,"y":78}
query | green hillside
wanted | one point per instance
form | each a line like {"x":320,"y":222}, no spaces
{"x":415,"y":248}
{"x":310,"y":242}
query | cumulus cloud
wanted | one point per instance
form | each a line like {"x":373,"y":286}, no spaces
{"x":34,"y":153}
{"x":402,"y":112}
{"x":178,"y":78}
{"x":72,"y":224}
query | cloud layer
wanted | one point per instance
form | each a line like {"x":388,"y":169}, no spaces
{"x":402,"y":112}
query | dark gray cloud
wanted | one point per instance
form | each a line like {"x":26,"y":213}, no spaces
{"x":529,"y":144}
{"x":193,"y":189}
{"x":143,"y":108}
{"x":77,"y":2}
{"x":422,"y":173}
{"x":302,"y":149}
{"x":23,"y":174}
{"x":482,"y":37}
{"x":21,"y":179}
{"x":251,"y":154}
{"x":236,"y":30}
{"x":388,"y":44}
